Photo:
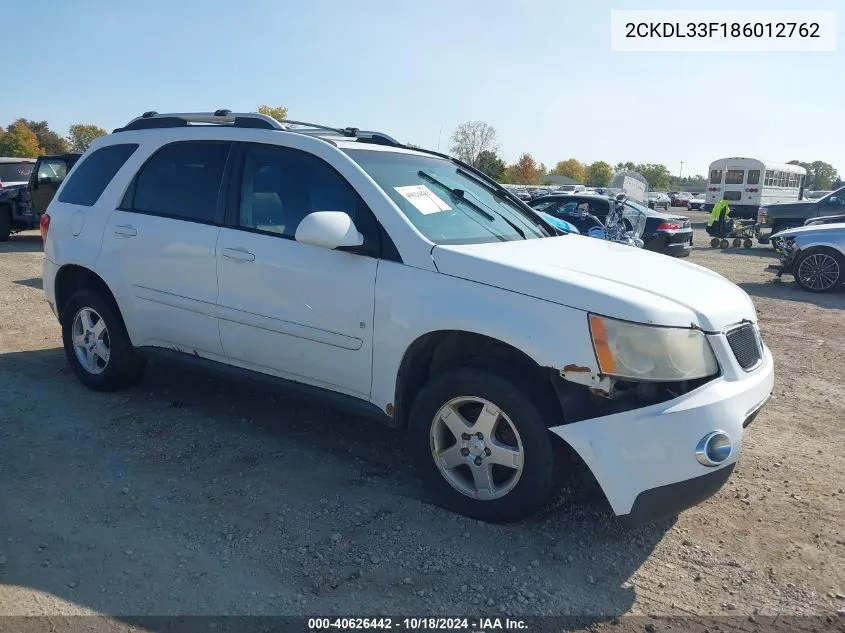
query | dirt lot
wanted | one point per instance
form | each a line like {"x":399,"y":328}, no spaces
{"x":193,"y":495}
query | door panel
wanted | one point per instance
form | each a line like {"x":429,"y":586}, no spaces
{"x":296,"y":311}
{"x":165,"y":273}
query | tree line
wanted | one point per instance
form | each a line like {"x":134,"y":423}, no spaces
{"x":25,"y":138}
{"x":475,"y":143}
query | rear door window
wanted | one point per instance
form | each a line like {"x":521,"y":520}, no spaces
{"x":734,"y":176}
{"x":182,"y":181}
{"x":94,"y":174}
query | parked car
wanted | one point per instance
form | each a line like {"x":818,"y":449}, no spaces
{"x":776,"y":218}
{"x":814,"y":255}
{"x":680,"y":199}
{"x":15,"y":172}
{"x":572,"y":188}
{"x":409,"y":287}
{"x":696,"y":203}
{"x":665,"y":233}
{"x":658,"y":200}
{"x":825,"y":219}
{"x":22,"y":204}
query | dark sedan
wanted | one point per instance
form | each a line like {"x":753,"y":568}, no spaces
{"x":664,"y":232}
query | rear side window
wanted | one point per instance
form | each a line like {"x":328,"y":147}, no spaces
{"x":716,"y":177}
{"x":182,"y":181}
{"x":94,"y":174}
{"x":753,"y":176}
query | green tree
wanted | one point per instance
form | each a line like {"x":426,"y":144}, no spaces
{"x":490,"y":163}
{"x":626,"y":166}
{"x":657,"y":175}
{"x":19,"y":141}
{"x":83,"y":134}
{"x":472,"y":138}
{"x":571,"y":169}
{"x":280,"y":113}
{"x":598,"y":174}
{"x":523,"y":172}
{"x":48,"y":140}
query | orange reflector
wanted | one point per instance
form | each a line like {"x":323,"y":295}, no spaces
{"x":607,"y":364}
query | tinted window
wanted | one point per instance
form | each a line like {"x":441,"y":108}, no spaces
{"x":734,"y":176}
{"x":182,"y":181}
{"x":93,"y":174}
{"x":15,"y":172}
{"x":280,"y":186}
{"x":716,"y":177}
{"x":753,"y":176}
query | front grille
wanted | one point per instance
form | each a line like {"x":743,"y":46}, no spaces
{"x":745,"y":345}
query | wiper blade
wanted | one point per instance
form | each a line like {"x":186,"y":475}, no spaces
{"x":510,"y":222}
{"x":460,"y":194}
{"x":502,"y":194}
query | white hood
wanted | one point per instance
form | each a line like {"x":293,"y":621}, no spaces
{"x":604,"y":278}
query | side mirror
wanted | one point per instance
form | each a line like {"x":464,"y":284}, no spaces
{"x":328,"y":229}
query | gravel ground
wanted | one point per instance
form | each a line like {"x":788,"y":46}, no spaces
{"x":192,"y":495}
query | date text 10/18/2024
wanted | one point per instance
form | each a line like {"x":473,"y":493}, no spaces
{"x":476,"y":625}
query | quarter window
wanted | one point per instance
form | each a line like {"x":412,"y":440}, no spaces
{"x":182,"y":181}
{"x":93,"y":174}
{"x":716,"y":177}
{"x":753,"y":176}
{"x":734,"y":176}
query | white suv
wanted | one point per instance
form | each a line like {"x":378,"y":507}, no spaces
{"x":411,"y":288}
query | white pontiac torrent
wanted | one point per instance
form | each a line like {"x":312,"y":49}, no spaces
{"x":406,"y":286}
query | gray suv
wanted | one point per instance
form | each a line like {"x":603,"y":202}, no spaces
{"x":773,"y":218}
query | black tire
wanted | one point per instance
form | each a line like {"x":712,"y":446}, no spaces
{"x":5,"y":224}
{"x":123,"y":367}
{"x":828,"y":260}
{"x":724,"y":243}
{"x":747,"y":243}
{"x":737,"y":242}
{"x":523,"y":407}
{"x":714,"y":243}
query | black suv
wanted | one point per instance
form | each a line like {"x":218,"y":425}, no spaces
{"x":21,"y":206}
{"x":773,"y":218}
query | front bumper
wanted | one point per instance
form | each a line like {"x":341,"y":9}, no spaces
{"x":644,"y":459}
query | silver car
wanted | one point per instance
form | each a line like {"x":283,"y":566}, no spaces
{"x":658,"y":200}
{"x":814,"y":255}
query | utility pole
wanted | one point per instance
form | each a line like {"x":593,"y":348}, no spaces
{"x":681,"y":173}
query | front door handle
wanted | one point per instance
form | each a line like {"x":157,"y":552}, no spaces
{"x":125,"y":230}
{"x":239,"y":254}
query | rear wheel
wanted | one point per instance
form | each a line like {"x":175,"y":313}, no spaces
{"x":481,"y":445}
{"x":747,"y":243}
{"x":724,"y":243}
{"x":714,"y":243}
{"x":737,"y":242}
{"x":819,"y":270}
{"x":96,"y":344}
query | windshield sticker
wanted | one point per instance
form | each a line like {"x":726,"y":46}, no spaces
{"x":424,"y":199}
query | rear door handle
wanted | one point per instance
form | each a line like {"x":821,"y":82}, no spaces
{"x":126,"y":230}
{"x":239,"y":254}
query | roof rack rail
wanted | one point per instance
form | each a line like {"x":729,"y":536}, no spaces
{"x":153,"y":119}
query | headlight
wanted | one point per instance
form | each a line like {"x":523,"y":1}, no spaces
{"x":645,"y":352}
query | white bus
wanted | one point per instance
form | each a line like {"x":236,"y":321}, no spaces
{"x":748,"y":183}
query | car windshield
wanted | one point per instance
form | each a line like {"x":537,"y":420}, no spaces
{"x":446,"y":203}
{"x":15,"y":172}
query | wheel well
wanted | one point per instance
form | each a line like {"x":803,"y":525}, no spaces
{"x":72,"y":278}
{"x":436,"y":352}
{"x":826,"y":249}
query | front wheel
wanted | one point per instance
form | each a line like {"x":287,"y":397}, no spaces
{"x":714,"y":243}
{"x":481,"y":445}
{"x":819,"y":270}
{"x":96,"y":344}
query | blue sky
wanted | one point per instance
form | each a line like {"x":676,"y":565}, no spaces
{"x":541,"y":72}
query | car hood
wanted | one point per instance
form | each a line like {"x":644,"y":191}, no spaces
{"x":821,"y":230}
{"x":785,"y":206}
{"x":604,"y":278}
